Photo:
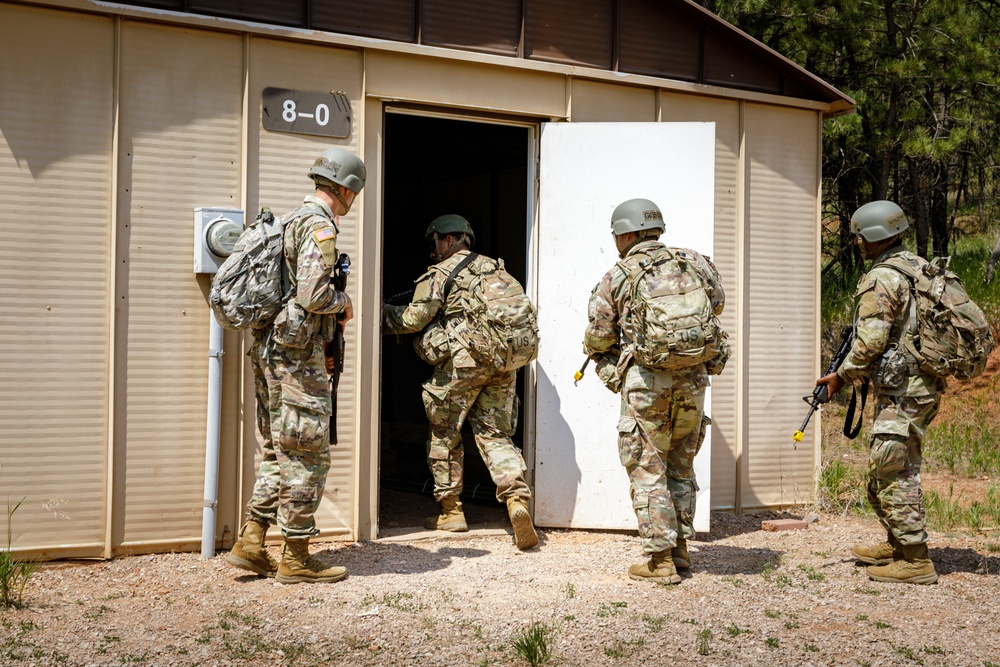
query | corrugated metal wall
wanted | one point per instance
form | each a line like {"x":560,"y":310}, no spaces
{"x":725,"y":415}
{"x":56,"y":110}
{"x":179,"y":148}
{"x":782,"y":221}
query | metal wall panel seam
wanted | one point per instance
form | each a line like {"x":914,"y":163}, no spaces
{"x":742,"y":330}
{"x":241,"y":337}
{"x":818,"y":299}
{"x":113,"y":280}
{"x":363,"y":333}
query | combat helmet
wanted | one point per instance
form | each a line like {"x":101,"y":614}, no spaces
{"x":450,"y":223}
{"x":879,"y":220}
{"x":636,"y":215}
{"x":341,"y":167}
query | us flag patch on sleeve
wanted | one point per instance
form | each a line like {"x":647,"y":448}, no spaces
{"x":324,"y":234}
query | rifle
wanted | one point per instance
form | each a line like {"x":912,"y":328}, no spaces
{"x":335,"y":348}
{"x":820,"y":393}
{"x":400,"y":298}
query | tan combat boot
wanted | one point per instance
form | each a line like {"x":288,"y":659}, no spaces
{"x":879,"y":554}
{"x":660,"y":569}
{"x":679,"y":554}
{"x":249,"y":553}
{"x":915,"y":567}
{"x":524,"y":532}
{"x":297,"y":566}
{"x":451,"y":518}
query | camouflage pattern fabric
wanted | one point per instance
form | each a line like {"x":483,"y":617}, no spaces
{"x":486,"y":396}
{"x":291,"y":383}
{"x":904,"y":407}
{"x":662,"y":423}
{"x":460,"y":388}
{"x":880,"y":316}
{"x":894,"y":464}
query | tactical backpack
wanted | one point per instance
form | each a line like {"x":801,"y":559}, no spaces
{"x":671,"y":322}
{"x":951,"y":335}
{"x":500,"y":326}
{"x":250,"y":286}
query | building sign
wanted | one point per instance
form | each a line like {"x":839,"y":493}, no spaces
{"x":325,"y":114}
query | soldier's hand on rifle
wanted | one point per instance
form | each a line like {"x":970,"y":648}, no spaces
{"x":347,"y":314}
{"x":331,"y":364}
{"x":833,"y":384}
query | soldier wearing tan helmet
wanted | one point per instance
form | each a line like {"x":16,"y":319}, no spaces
{"x":292,"y":382}
{"x":460,"y":384}
{"x":663,"y":421}
{"x":906,"y":397}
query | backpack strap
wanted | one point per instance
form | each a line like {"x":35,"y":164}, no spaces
{"x":458,"y":269}
{"x":912,"y":344}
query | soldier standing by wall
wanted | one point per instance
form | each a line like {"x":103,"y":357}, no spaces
{"x":460,"y":385}
{"x":906,"y":398}
{"x":662,"y":422}
{"x":292,"y":383}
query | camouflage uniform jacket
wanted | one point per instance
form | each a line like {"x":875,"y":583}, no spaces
{"x":880,"y":323}
{"x":430,"y":307}
{"x":310,"y":255}
{"x":608,"y":309}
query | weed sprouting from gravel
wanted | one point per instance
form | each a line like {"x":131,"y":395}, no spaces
{"x":532,"y":644}
{"x":14,"y":573}
{"x":704,"y":640}
{"x":621,"y":648}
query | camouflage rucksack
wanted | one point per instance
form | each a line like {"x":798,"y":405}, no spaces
{"x":671,"y":322}
{"x":250,"y":286}
{"x":951,"y":336}
{"x":500,"y":327}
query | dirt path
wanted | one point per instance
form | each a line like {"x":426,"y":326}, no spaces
{"x":752,"y":597}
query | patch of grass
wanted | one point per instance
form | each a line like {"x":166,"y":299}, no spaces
{"x":624,"y":649}
{"x":791,"y":625}
{"x":532,"y":644}
{"x":771,"y":613}
{"x":14,"y":573}
{"x":933,"y":650}
{"x":570,"y":590}
{"x":771,"y":642}
{"x":882,"y":625}
{"x":611,"y":609}
{"x":654,"y":623}
{"x":812,"y":648}
{"x":704,"y":640}
{"x":735,"y":630}
{"x":735,"y":581}
{"x":811,"y":573}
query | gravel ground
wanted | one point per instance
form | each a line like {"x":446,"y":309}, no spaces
{"x":752,"y":597}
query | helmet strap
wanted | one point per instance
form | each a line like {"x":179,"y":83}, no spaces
{"x":336,"y":193}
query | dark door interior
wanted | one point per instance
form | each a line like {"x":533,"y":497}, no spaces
{"x":435,"y":166}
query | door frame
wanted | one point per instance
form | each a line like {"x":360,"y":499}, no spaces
{"x":367,"y":478}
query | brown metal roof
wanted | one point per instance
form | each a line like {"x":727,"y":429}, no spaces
{"x":669,"y":39}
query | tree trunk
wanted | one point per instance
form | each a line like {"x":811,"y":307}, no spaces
{"x":994,"y":257}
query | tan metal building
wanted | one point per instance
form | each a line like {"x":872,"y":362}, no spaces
{"x":117,"y":121}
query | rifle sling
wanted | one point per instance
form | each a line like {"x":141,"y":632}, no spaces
{"x":851,"y":432}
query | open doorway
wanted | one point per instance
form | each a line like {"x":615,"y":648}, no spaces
{"x":433,"y":166}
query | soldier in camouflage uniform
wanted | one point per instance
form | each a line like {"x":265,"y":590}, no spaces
{"x":662,"y":423}
{"x":906,"y":398}
{"x":292,"y":383}
{"x":460,"y":387}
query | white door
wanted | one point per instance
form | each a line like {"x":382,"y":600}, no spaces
{"x":585,"y":171}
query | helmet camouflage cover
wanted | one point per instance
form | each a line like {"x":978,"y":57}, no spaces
{"x":450,"y":223}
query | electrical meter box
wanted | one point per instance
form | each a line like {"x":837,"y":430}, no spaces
{"x":215,"y":233}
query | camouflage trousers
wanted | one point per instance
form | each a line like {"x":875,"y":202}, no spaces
{"x":894,"y":464}
{"x":293,"y":416}
{"x":661,"y":428}
{"x":488,"y":399}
